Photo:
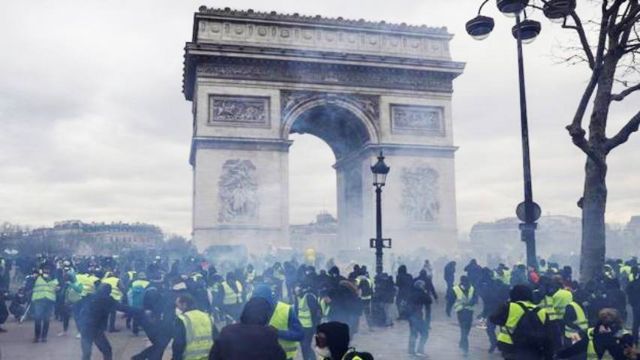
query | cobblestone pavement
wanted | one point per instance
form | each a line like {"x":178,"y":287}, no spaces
{"x":384,"y":344}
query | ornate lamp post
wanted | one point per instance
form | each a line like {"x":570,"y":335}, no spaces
{"x":380,"y":171}
{"x":525,"y":31}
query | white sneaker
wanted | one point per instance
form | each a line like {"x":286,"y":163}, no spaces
{"x":63,"y":333}
{"x":78,"y":336}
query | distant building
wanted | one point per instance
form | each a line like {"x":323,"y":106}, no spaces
{"x":77,"y":237}
{"x":557,"y":235}
{"x":320,"y":234}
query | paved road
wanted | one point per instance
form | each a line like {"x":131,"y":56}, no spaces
{"x":384,"y":344}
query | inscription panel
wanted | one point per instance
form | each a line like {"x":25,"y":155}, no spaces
{"x":243,"y":111}
{"x":414,"y":119}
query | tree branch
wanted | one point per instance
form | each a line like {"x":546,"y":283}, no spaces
{"x":579,"y":28}
{"x":623,"y":135}
{"x":575,"y":129}
{"x":625,"y":93}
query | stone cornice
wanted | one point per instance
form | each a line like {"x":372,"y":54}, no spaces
{"x":300,"y":72}
{"x":233,"y":143}
{"x":361,"y":24}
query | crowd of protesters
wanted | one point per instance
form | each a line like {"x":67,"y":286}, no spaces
{"x":283,"y":308}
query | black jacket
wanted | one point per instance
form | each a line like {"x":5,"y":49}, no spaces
{"x":232,"y":344}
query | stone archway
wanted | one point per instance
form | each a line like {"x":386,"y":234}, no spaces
{"x":362,"y":87}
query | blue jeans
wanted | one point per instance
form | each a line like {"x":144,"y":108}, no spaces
{"x":42,"y":310}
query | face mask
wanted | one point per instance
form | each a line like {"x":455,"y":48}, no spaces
{"x":323,"y":353}
{"x":178,"y":312}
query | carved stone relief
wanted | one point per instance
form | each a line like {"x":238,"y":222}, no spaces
{"x":249,"y":111}
{"x":420,"y":199}
{"x":238,"y":192}
{"x":346,"y":75}
{"x":412,"y":119}
{"x":368,"y":104}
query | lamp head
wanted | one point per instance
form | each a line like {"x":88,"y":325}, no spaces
{"x":480,"y":27}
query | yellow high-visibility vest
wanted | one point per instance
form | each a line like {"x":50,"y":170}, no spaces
{"x":88,"y":282}
{"x":140,"y":283}
{"x":43,"y":289}
{"x":581,"y":320}
{"x":230,"y":296}
{"x":199,"y":335}
{"x":304,"y":313}
{"x":463,"y":301}
{"x":514,"y":316}
{"x":116,"y":294}
{"x":280,"y":321}
{"x":561,"y":299}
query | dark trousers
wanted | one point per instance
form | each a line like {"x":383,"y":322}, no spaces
{"x":419,"y":330}
{"x":491,"y":333}
{"x":305,"y":345}
{"x":636,"y":323}
{"x":159,"y":334}
{"x":98,"y":338}
{"x":42,"y":310}
{"x":65,"y":315}
{"x":112,"y":320}
{"x":465,"y":319}
{"x":556,"y":327}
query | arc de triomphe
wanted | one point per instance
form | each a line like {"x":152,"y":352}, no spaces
{"x":254,"y":78}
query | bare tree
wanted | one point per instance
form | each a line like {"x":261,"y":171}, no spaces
{"x":611,"y":56}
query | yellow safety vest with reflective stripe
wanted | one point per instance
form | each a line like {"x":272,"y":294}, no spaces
{"x":230,"y":296}
{"x":513,"y":318}
{"x":547,"y":305}
{"x":116,"y":294}
{"x":43,"y":289}
{"x":463,"y":301}
{"x":140,"y":283}
{"x":131,"y":275}
{"x":280,"y":321}
{"x":325,"y":308}
{"x":304,"y":313}
{"x":561,"y":299}
{"x":88,"y":282}
{"x":199,"y":334}
{"x":581,"y":321}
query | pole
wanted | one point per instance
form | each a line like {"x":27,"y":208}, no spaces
{"x":378,"y":229}
{"x":528,"y":228}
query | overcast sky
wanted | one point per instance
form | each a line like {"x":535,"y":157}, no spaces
{"x":95,"y":127}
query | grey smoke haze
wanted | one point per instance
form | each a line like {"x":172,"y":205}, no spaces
{"x":94,"y":125}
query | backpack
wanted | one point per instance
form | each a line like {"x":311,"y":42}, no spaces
{"x":530,"y":332}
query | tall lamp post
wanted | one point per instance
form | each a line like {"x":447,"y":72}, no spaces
{"x":380,"y":171}
{"x":524,"y":31}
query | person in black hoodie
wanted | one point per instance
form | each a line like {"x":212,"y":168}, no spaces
{"x":93,"y":321}
{"x":419,"y":314}
{"x":332,"y":343}
{"x":253,"y":330}
{"x":404,"y":282}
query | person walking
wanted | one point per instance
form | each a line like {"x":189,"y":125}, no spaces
{"x":464,"y":300}
{"x":114,"y":282}
{"x":449,"y":278}
{"x":43,"y":299}
{"x":633,"y":295}
{"x":194,"y":331}
{"x":309,"y":313}
{"x":419,"y":315}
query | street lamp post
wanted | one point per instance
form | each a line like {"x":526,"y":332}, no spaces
{"x":525,"y":31}
{"x":380,"y":171}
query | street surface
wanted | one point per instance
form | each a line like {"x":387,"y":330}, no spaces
{"x":384,"y":344}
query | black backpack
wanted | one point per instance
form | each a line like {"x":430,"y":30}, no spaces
{"x":530,"y":333}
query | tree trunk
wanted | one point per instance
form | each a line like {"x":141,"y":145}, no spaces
{"x":594,"y":202}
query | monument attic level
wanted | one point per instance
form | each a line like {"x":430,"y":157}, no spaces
{"x":361,"y":86}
